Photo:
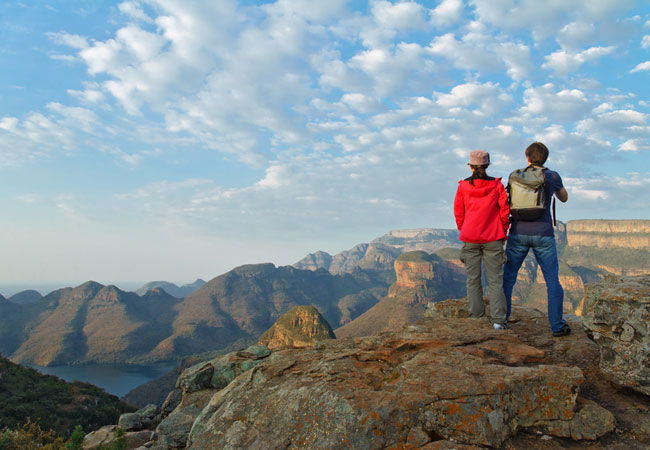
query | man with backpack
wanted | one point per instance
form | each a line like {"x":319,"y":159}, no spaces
{"x":531,"y":190}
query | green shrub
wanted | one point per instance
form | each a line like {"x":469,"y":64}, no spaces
{"x":30,"y":436}
{"x":76,"y":439}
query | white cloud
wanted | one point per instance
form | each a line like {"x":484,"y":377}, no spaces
{"x":361,"y":103}
{"x":645,"y":42}
{"x":641,"y":67}
{"x":65,"y":204}
{"x":8,"y":123}
{"x":88,"y":96}
{"x":446,"y":13}
{"x":28,"y":198}
{"x":551,"y":105}
{"x":463,"y":54}
{"x":276,"y":176}
{"x":74,"y":116}
{"x":575,"y":35}
{"x":634,"y":145}
{"x":549,"y":17}
{"x":328,"y":104}
{"x":71,"y":40}
{"x":470,"y":94}
{"x":616,"y":124}
{"x":134,"y":10}
{"x":565,"y":63}
{"x":620,"y":194}
{"x":516,"y":57}
{"x":401,"y":16}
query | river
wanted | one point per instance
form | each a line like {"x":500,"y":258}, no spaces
{"x":116,"y":379}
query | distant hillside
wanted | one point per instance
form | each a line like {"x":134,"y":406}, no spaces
{"x":52,"y":402}
{"x":93,"y":323}
{"x":25,"y":297}
{"x":171,"y":288}
{"x":246,"y":301}
{"x":89,"y":323}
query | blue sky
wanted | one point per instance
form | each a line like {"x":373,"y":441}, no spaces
{"x":164,"y":139}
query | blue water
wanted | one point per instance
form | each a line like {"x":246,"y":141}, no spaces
{"x":116,"y":379}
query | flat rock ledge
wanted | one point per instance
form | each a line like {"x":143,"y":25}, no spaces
{"x":454,"y":380}
{"x":616,"y":315}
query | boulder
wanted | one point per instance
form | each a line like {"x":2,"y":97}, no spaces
{"x":175,"y":428}
{"x":171,"y":402}
{"x":440,"y":380}
{"x":616,"y":314}
{"x":218,"y":372}
{"x":194,"y":388}
{"x":145,"y":418}
{"x":107,"y":436}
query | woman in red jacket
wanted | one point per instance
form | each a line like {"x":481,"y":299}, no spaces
{"x":482,"y":216}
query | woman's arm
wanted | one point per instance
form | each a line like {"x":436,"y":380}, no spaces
{"x":459,"y":208}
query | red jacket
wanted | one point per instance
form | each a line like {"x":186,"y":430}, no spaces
{"x":482,"y":211}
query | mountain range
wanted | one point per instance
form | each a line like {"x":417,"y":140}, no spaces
{"x":92,"y":323}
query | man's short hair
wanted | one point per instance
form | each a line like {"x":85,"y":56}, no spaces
{"x":537,"y":153}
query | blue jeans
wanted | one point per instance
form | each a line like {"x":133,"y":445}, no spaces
{"x":546,"y":256}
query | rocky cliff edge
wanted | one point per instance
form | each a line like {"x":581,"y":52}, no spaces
{"x":446,"y":381}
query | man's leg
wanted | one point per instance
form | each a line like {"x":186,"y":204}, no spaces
{"x":546,"y":256}
{"x":516,"y":251}
{"x":493,"y":258}
{"x":471,"y":255}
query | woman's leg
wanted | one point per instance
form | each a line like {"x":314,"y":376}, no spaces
{"x":471,"y":255}
{"x":493,"y":258}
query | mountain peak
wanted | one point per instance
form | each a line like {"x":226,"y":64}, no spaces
{"x":88,"y":289}
{"x":254,"y":269}
{"x":25,"y":297}
{"x":301,"y":326}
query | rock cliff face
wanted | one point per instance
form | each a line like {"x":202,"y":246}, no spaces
{"x":423,"y":277}
{"x":609,"y":226}
{"x":420,"y":278}
{"x":425,"y":239}
{"x":373,"y":257}
{"x":609,"y":246}
{"x":315,"y":261}
{"x":381,"y":252}
{"x":299,"y":327}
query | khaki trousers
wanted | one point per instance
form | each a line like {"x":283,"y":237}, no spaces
{"x":493,"y":257}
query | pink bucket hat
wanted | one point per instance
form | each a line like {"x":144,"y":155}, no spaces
{"x":479,"y":158}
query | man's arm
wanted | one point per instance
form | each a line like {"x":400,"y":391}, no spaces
{"x":562,"y":195}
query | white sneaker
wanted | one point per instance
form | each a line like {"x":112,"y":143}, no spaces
{"x":499,"y":326}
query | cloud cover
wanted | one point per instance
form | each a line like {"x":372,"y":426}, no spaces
{"x":345,"y":121}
